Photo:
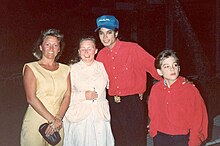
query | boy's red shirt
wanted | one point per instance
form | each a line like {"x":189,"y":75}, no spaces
{"x":178,"y":110}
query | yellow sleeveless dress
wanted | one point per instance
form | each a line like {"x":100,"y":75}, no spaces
{"x":50,"y":89}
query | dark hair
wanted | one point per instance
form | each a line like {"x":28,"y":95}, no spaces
{"x":164,"y":55}
{"x":50,"y":32}
{"x":115,"y":30}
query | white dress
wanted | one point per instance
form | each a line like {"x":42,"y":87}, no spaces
{"x":87,"y":122}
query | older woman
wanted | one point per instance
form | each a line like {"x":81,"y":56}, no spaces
{"x":87,"y":121}
{"x":47,"y":88}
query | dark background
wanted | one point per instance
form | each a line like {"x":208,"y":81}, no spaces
{"x":142,"y":21}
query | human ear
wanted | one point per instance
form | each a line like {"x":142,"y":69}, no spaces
{"x":159,"y":72}
{"x":116,"y":34}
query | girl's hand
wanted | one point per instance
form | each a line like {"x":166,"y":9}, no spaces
{"x":91,"y":95}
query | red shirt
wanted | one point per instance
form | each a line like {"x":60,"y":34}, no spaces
{"x":126,"y":65}
{"x":178,"y":110}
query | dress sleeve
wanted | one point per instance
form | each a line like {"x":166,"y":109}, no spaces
{"x":24,"y":69}
{"x":199,"y":123}
{"x":77,"y":97}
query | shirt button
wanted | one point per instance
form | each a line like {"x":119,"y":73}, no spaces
{"x":117,"y":87}
{"x":167,"y":102}
{"x":113,"y":67}
{"x":126,"y":68}
{"x":168,"y":91}
{"x":115,"y":77}
{"x":113,"y":57}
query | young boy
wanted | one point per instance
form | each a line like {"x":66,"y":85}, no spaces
{"x":177,"y":112}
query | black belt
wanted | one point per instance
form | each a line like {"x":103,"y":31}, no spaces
{"x":168,"y":135}
{"x":117,"y":98}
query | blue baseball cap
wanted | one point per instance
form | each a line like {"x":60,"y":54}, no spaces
{"x":107,"y":21}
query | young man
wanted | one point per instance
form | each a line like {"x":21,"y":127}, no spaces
{"x":177,"y":112}
{"x":127,"y":65}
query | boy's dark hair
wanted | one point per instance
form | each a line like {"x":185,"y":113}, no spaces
{"x":163,"y":55}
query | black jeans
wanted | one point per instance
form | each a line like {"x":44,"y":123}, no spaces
{"x":128,"y":121}
{"x":162,"y":139}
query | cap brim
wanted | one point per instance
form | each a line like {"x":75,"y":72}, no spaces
{"x":108,"y":27}
{"x":97,"y":29}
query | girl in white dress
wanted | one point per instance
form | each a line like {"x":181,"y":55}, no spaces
{"x":87,"y":121}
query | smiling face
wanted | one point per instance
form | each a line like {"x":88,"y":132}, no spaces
{"x":50,"y":47}
{"x":87,"y":51}
{"x":108,"y":37}
{"x":169,"y":70}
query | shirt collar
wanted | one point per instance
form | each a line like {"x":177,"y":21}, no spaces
{"x":179,"y":81}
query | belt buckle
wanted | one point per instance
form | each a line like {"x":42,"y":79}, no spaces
{"x":117,"y":99}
